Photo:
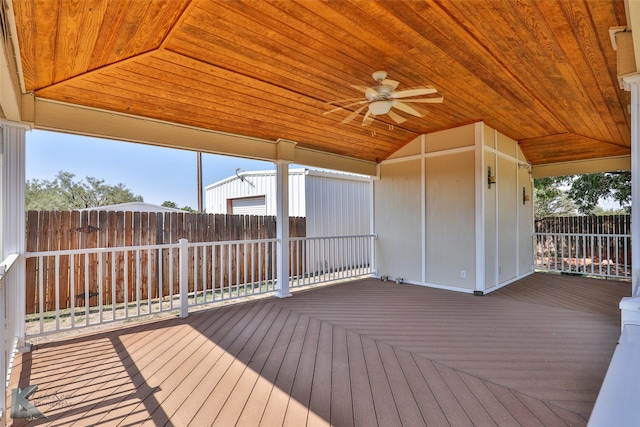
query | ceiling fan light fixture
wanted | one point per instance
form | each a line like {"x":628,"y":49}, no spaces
{"x":379,"y":76}
{"x":379,"y":108}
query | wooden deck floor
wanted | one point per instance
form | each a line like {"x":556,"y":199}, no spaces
{"x":363,"y":353}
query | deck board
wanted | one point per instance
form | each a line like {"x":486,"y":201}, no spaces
{"x":341,"y":403}
{"x":361,"y":353}
{"x":319,"y":405}
{"x":363,"y":408}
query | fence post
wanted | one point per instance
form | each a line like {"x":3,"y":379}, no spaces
{"x":184,"y":277}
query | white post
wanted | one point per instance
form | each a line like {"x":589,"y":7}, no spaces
{"x":282,"y":228}
{"x":480,"y":189}
{"x":372,"y":226}
{"x":12,"y":216}
{"x":184,"y":277}
{"x":632,"y":84}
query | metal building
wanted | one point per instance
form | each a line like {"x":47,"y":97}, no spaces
{"x":334,"y":203}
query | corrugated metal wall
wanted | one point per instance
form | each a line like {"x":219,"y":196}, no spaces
{"x":335,"y":204}
{"x":253,"y":184}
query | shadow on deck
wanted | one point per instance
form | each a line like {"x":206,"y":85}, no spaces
{"x":360,"y":353}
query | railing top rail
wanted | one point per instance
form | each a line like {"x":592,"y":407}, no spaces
{"x":231,"y":242}
{"x":568,"y":233}
{"x":7,"y":263}
{"x":98,"y":250}
{"x":332,"y":237}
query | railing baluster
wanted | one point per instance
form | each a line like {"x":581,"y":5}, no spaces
{"x":138,"y":279}
{"x":253,"y":268}
{"x":171,"y":277}
{"x":195,"y":274}
{"x":149,"y":281}
{"x":100,"y":278}
{"x":114,"y":300}
{"x":56,"y":269}
{"x":87,"y":295}
{"x":72,"y":288}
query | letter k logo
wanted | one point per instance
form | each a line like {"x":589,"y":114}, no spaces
{"x":20,"y":405}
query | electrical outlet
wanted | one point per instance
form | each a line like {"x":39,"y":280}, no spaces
{"x":463,"y":274}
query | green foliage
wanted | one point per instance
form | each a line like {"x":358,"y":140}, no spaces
{"x":174,"y":205}
{"x":600,"y":211}
{"x":587,"y":190}
{"x":169,"y":204}
{"x":573,"y":194}
{"x":550,"y":199}
{"x":65,"y":193}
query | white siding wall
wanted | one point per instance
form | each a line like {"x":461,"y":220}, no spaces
{"x":397,"y":220}
{"x":471,"y":237}
{"x":508,"y":221}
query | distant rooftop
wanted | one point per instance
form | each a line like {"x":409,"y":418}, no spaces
{"x":134,"y":207}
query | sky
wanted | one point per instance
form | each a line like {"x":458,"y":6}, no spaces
{"x":157,"y":174}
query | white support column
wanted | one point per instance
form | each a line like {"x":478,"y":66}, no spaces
{"x":423,"y":209}
{"x":183,"y":275}
{"x":282,"y":228}
{"x":480,"y":185}
{"x":632,"y":84}
{"x":372,"y":223}
{"x":12,"y":214}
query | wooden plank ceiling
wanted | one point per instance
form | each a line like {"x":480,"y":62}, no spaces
{"x":541,"y":72}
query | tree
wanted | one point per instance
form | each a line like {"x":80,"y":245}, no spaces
{"x":65,"y":193}
{"x":551,"y":199}
{"x":587,"y":190}
{"x":573,"y":194}
{"x":174,"y":205}
{"x":169,"y":204}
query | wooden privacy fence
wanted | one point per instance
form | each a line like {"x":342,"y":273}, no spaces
{"x":605,"y":224}
{"x":62,"y":281}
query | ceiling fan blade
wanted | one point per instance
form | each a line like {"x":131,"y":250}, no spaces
{"x":362,"y":89}
{"x":407,"y":109}
{"x":414,"y":92}
{"x":353,"y":114}
{"x":388,"y":82}
{"x":340,"y":101}
{"x":345,"y":106}
{"x":396,"y":117}
{"x":367,"y":119}
{"x":437,"y":100}
{"x":371,"y":94}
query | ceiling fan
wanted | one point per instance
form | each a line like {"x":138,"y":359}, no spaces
{"x":380,"y":100}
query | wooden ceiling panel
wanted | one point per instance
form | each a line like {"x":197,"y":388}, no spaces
{"x":568,"y":147}
{"x":538,"y":71}
{"x":63,"y":39}
{"x":457,"y":57}
{"x":566,"y":85}
{"x":159,"y":84}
